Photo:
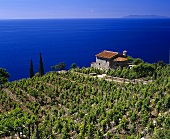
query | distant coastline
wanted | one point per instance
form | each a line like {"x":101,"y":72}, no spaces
{"x":145,"y":17}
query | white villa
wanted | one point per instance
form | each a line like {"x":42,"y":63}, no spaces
{"x":109,"y":59}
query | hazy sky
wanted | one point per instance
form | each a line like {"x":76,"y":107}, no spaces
{"x":81,"y":8}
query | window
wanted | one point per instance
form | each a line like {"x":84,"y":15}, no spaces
{"x":99,"y":63}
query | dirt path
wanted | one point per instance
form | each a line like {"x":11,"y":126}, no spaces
{"x":117,"y":79}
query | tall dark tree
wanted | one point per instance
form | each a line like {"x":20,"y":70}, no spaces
{"x":41,"y":68}
{"x":31,"y":69}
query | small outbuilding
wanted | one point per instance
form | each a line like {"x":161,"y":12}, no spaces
{"x":109,"y":59}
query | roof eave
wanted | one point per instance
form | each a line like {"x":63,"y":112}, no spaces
{"x":104,"y":57}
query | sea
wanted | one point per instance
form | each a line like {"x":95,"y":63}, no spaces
{"x":78,"y":41}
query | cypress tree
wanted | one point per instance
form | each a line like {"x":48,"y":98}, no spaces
{"x":41,"y":68}
{"x":31,"y":69}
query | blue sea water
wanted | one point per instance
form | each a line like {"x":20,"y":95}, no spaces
{"x":78,"y":40}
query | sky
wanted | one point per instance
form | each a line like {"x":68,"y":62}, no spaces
{"x":26,"y":9}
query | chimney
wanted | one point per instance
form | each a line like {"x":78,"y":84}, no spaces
{"x":125,"y":53}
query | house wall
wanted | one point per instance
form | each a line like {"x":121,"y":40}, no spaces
{"x":101,"y":63}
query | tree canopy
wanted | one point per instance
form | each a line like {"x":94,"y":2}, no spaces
{"x":144,"y":70}
{"x":73,"y":66}
{"x":4,"y":75}
{"x":59,"y":66}
{"x":138,"y":61}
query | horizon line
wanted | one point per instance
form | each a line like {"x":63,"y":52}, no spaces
{"x":80,"y":18}
{"x":134,"y":16}
{"x":65,"y":18}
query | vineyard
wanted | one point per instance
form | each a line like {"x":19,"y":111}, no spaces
{"x":76,"y":105}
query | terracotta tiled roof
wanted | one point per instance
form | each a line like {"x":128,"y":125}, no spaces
{"x":107,"y":54}
{"x":120,"y":59}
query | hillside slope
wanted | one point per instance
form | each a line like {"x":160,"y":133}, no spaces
{"x":72,"y":105}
